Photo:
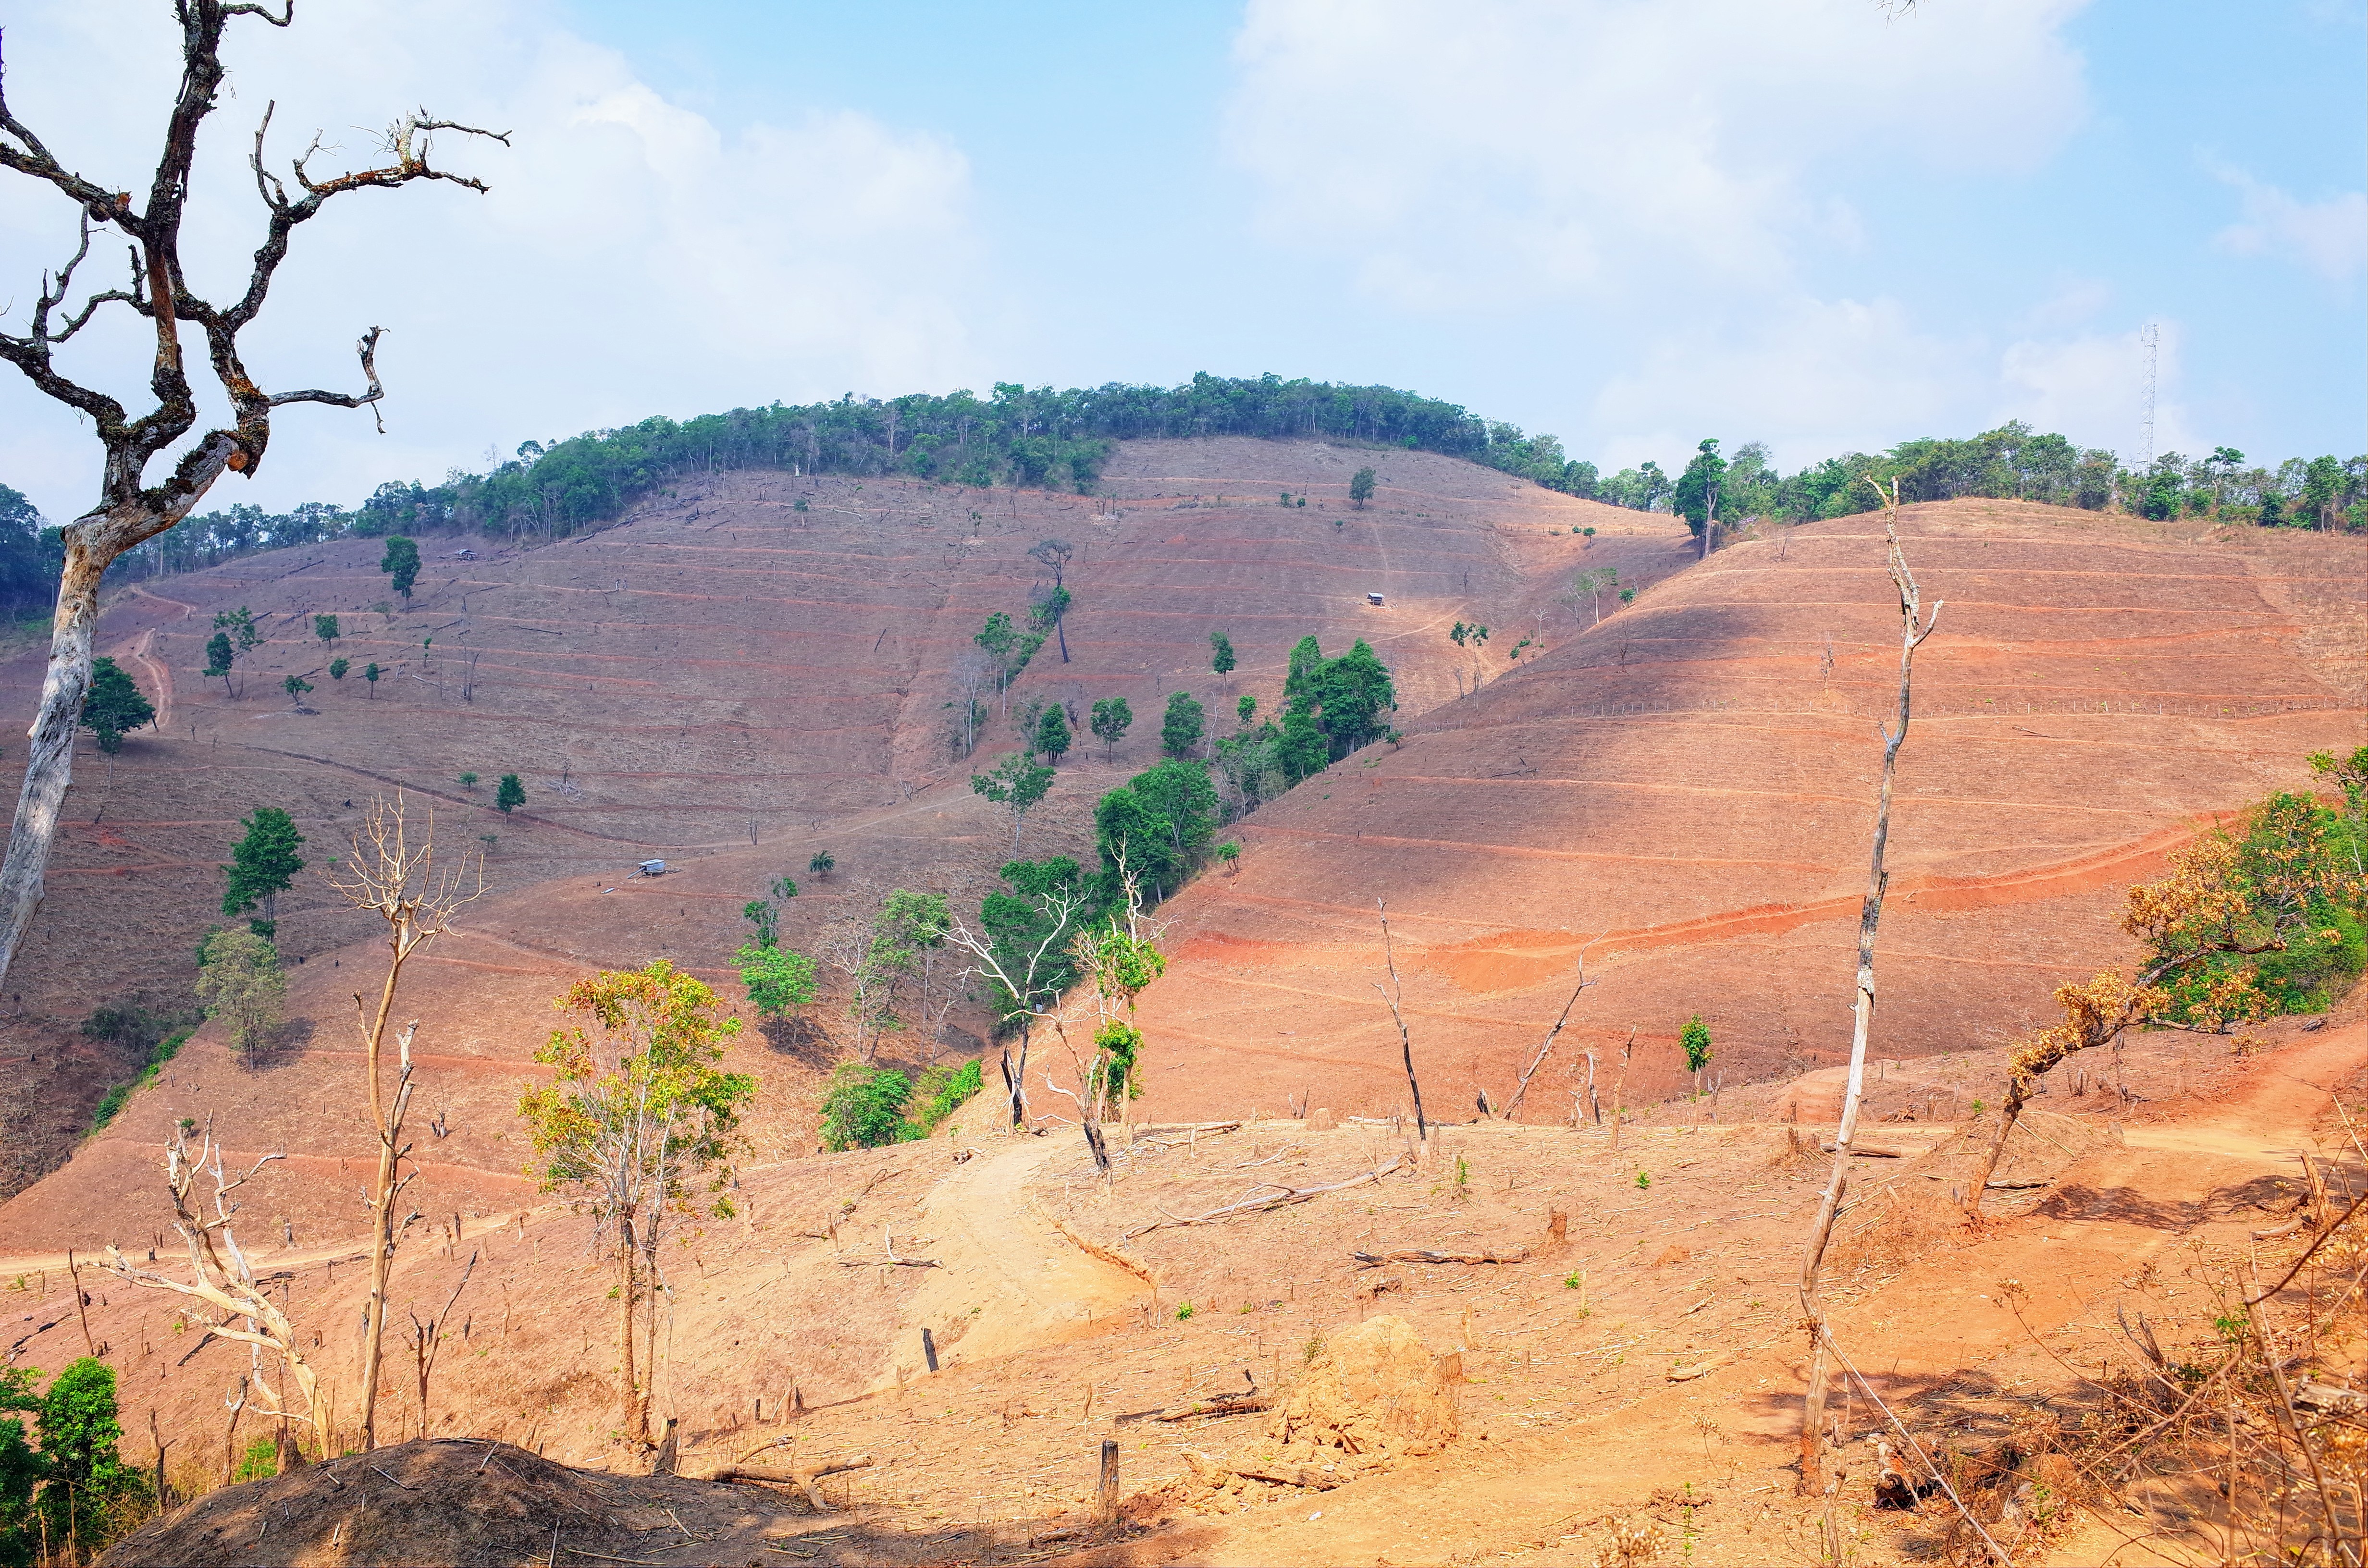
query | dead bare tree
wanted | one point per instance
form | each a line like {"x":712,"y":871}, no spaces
{"x":427,"y":1338}
{"x":1914,"y":625}
{"x":397,"y":879}
{"x":129,"y":510}
{"x":1546,"y":1045}
{"x":1023,"y":966}
{"x":234,"y":1304}
{"x":1405,"y":1041}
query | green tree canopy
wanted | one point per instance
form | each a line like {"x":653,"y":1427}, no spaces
{"x":1051,"y":735}
{"x":1017,"y":786}
{"x":1697,"y":495}
{"x":114,"y":705}
{"x":1360,"y":488}
{"x":263,"y":863}
{"x":780,"y":981}
{"x":1221,"y":656}
{"x":1110,"y":721}
{"x":324,"y":627}
{"x":241,"y":986}
{"x":1181,"y":727}
{"x":402,"y":559}
{"x":1156,"y":827}
{"x":509,"y":794}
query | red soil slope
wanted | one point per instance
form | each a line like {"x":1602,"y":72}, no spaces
{"x":1685,"y":794}
{"x":724,"y":680}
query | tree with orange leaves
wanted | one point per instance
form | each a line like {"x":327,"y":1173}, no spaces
{"x":2281,"y":894}
{"x":637,"y":1121}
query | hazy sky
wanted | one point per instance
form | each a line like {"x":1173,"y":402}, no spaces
{"x":1631,"y":222}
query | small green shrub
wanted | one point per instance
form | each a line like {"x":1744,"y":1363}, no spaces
{"x":943,"y":1091}
{"x":1184,"y":1312}
{"x":862,"y":1108}
{"x":1643,"y":1181}
{"x":260,"y":1462}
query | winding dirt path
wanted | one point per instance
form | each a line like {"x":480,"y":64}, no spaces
{"x":1003,"y":1259}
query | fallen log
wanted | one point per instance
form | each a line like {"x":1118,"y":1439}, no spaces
{"x":1290,"y":1475}
{"x":1275,"y":1199}
{"x":1688,"y":1373}
{"x":1876,"y":1151}
{"x":1423,"y":1254}
{"x":806,"y":1478}
{"x":2017,"y":1184}
{"x":1224,"y":1404}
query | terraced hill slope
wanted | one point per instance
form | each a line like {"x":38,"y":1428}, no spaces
{"x":749,"y":670}
{"x":1684,"y":795}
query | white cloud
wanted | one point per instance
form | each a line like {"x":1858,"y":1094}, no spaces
{"x":1502,"y":151}
{"x":1668,"y":182}
{"x":2092,"y":383}
{"x":632,"y":256}
{"x":2327,"y":237}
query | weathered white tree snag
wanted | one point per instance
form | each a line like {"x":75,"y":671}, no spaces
{"x":1546,"y":1045}
{"x":131,"y":511}
{"x":399,"y":882}
{"x":1915,"y":626}
{"x":1405,"y":1041}
{"x":1022,"y":973}
{"x":223,"y":1278}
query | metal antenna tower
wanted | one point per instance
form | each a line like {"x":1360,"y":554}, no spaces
{"x":2149,"y":342}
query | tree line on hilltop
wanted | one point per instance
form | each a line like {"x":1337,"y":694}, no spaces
{"x":1043,"y":438}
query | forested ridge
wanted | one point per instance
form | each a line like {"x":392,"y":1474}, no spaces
{"x":1045,"y":438}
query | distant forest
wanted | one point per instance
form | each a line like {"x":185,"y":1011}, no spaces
{"x":1042,"y":438}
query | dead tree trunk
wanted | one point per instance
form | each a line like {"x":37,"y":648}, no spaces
{"x":1405,"y":1041}
{"x":1546,"y":1044}
{"x":1915,"y":626}
{"x":129,"y":510}
{"x":397,"y":880}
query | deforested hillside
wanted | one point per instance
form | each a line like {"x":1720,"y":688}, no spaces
{"x":1684,"y":793}
{"x":742,"y":673}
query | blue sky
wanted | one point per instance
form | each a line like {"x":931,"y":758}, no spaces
{"x":1631,"y":222}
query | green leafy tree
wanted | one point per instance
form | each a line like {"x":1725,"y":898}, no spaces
{"x":1052,"y":736}
{"x":761,"y":913}
{"x":402,"y":559}
{"x":371,"y":674}
{"x":1181,"y":727}
{"x":324,"y":627}
{"x":114,"y":705}
{"x":1017,"y":786}
{"x":638,"y":1124}
{"x":262,"y":865}
{"x":338,"y":666}
{"x":1155,"y":829}
{"x":296,"y":687}
{"x":1695,"y":1040}
{"x":1696,"y":496}
{"x":1221,"y":654}
{"x":1110,"y":719}
{"x":1360,"y":488}
{"x":241,"y":987}
{"x":863,"y":1107}
{"x":822,"y":865}
{"x":20,"y":1469}
{"x":509,"y":794}
{"x":218,"y":658}
{"x":1246,"y":710}
{"x":240,"y":624}
{"x":82,"y":1476}
{"x":781,"y":982}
